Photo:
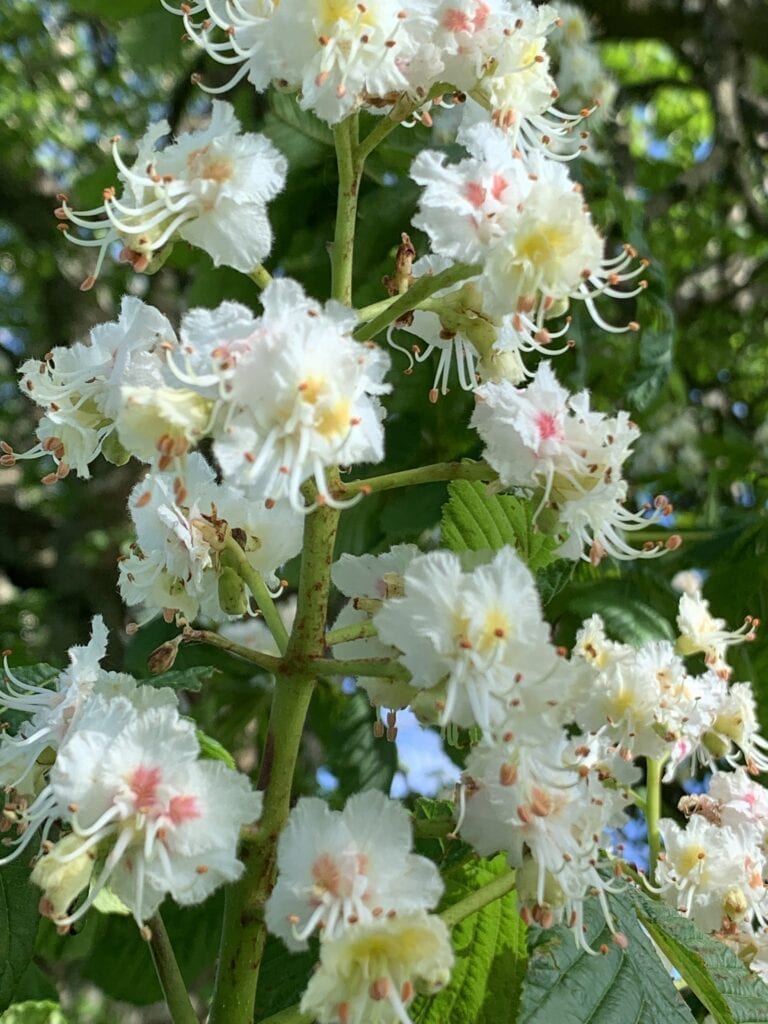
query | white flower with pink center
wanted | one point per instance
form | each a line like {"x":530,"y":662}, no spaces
{"x":544,"y":438}
{"x":209,"y":187}
{"x":131,"y":786}
{"x":340,"y":868}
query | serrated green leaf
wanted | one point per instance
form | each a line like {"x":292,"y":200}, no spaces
{"x":191,"y":678}
{"x":19,"y":920}
{"x":728,"y":989}
{"x":302,"y":138}
{"x":567,"y":985}
{"x":34,"y":1013}
{"x":491,"y":956}
{"x":474,"y":520}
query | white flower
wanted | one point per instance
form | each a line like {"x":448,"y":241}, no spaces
{"x":304,"y":399}
{"x":532,"y":801}
{"x":483,"y":632}
{"x":543,"y":438}
{"x":700,"y":631}
{"x":338,"y":868}
{"x":371,"y":973}
{"x":374,"y":577}
{"x":209,"y":187}
{"x":131,"y":784}
{"x":712,"y":874}
{"x":340,"y":55}
{"x":181,"y":523}
{"x":55,"y":709}
{"x":742,"y":802}
{"x":81,"y":387}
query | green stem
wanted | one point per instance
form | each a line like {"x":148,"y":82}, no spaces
{"x":480,"y":898}
{"x":653,"y":812}
{"x":403,"y":109}
{"x":380,"y":668}
{"x":366,"y":313}
{"x":419,"y":290}
{"x":244,"y":931}
{"x":204,"y":636}
{"x":350,"y":172}
{"x":261,"y":594}
{"x":355,"y":631}
{"x":292,"y":1015}
{"x":260,"y":275}
{"x":169,"y":975}
{"x":440,"y":471}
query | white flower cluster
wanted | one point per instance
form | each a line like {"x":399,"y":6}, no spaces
{"x":715,"y":869}
{"x":341,"y":56}
{"x":282,"y":397}
{"x":559,"y":736}
{"x":546,"y":441}
{"x":580,"y":72}
{"x":351,"y":876}
{"x":112,"y":770}
{"x":209,"y":187}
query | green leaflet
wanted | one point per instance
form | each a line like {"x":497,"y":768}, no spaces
{"x":358,"y":759}
{"x":490,"y":952}
{"x":566,"y":985}
{"x":34,"y":1013}
{"x":475,"y":521}
{"x":283,"y":977}
{"x":19,"y":920}
{"x":728,"y":989}
{"x":298,"y":134}
{"x":190,"y":679}
{"x":627,"y":616}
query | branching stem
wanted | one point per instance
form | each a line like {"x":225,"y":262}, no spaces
{"x":439,"y":471}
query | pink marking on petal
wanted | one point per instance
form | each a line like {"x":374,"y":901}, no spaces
{"x":183,"y":808}
{"x":456,"y":21}
{"x":498,"y":185}
{"x":481,"y":16}
{"x":144,"y":782}
{"x":475,"y":193}
{"x":547,"y":426}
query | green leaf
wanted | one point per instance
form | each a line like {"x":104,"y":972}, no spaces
{"x":358,"y":759}
{"x":19,"y":920}
{"x":626,"y":616}
{"x":302,"y":138}
{"x":34,"y":1013}
{"x":212,"y":750}
{"x":190,"y":679}
{"x":475,"y":521}
{"x":567,"y":985}
{"x":282,"y":979}
{"x":728,"y":989}
{"x":490,"y":952}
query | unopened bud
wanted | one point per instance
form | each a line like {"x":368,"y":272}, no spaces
{"x":163,"y":657}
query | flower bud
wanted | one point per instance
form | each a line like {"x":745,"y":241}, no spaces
{"x":232,"y":596}
{"x":163,"y":657}
{"x":62,"y":880}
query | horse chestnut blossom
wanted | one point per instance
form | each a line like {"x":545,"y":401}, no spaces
{"x":80,"y":387}
{"x":701,"y":632}
{"x":522,"y":797}
{"x":340,"y":869}
{"x":175,"y":565}
{"x":131,"y":785}
{"x":371,"y":973}
{"x":373,"y":578}
{"x":339,"y":55}
{"x":304,"y":398}
{"x":713,"y":873}
{"x":209,"y":187}
{"x":542,"y":437}
{"x":55,"y":709}
{"x":482,"y":632}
